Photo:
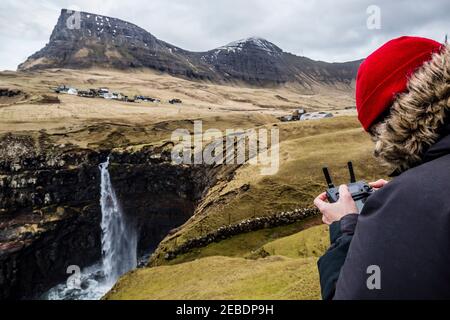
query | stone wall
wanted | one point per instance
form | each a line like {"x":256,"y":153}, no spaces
{"x":271,"y":221}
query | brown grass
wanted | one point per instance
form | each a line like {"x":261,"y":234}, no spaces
{"x":305,"y":148}
{"x":200,"y":100}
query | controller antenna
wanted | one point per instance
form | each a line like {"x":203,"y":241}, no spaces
{"x":326,"y":173}
{"x":352,"y":172}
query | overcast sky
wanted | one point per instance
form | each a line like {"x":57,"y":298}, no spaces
{"x":326,"y":30}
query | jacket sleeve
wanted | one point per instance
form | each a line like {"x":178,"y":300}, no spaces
{"x":330,"y":264}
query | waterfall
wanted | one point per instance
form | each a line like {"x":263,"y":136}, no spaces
{"x":119,"y":250}
{"x":119,"y":240}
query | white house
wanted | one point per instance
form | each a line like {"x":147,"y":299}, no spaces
{"x":315,"y":116}
{"x":117,"y":96}
{"x":72,"y":91}
{"x":108,"y":95}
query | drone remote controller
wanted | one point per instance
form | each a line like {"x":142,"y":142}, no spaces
{"x":359,"y":190}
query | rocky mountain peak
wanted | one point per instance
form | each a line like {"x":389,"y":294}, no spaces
{"x":254,"y":43}
{"x":76,"y":26}
{"x":84,"y":40}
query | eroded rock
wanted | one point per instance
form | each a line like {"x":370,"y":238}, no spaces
{"x":50,"y":217}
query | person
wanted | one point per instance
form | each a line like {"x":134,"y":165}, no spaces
{"x":398,"y":247}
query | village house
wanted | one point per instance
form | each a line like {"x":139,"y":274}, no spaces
{"x":175,"y":101}
{"x":316,"y":115}
{"x":66,"y":90}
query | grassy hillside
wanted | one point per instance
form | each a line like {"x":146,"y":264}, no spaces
{"x":246,"y":245}
{"x":305,"y":148}
{"x":312,"y":242}
{"x":272,"y":263}
{"x":287,"y":274}
{"x":278,"y":263}
{"x":222,"y":278}
{"x":200,"y":100}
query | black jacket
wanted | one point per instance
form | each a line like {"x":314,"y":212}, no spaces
{"x":404,"y":229}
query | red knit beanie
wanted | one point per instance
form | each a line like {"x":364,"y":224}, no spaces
{"x":385,"y":73}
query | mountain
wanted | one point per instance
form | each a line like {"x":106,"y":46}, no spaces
{"x":258,"y":60}
{"x":101,"y":41}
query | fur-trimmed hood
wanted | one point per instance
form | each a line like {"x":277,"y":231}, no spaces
{"x":417,"y":117}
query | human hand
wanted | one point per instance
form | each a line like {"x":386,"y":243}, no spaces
{"x":333,"y":212}
{"x":378,"y":184}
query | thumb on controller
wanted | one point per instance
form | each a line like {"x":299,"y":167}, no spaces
{"x":344,"y":193}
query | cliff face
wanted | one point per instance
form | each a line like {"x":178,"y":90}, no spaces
{"x":50,"y":216}
{"x":109,"y":42}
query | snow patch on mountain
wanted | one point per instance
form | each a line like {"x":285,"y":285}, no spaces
{"x":259,"y":43}
{"x":239,"y":46}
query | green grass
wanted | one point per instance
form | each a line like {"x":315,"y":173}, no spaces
{"x":246,"y":244}
{"x":305,"y":148}
{"x":215,"y":278}
{"x":289,"y":272}
{"x":312,"y":242}
{"x":278,"y":263}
